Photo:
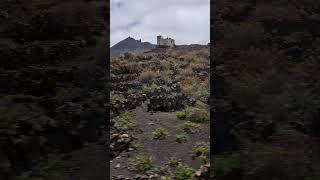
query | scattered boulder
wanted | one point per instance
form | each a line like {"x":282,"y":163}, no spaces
{"x":203,"y":173}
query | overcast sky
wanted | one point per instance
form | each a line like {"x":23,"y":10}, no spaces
{"x":187,"y":21}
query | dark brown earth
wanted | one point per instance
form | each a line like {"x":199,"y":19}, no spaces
{"x":88,"y":163}
{"x":161,"y":151}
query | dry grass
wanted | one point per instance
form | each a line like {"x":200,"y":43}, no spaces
{"x":125,"y":67}
{"x":194,"y":56}
{"x":164,"y":65}
{"x":188,"y":57}
{"x":205,"y":53}
{"x":198,"y":66}
{"x":172,"y":53}
{"x":148,"y":75}
{"x":187,"y":72}
{"x":166,"y":73}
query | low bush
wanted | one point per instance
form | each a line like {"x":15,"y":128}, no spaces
{"x":160,"y":133}
{"x":198,"y":114}
{"x":201,"y":150}
{"x":191,"y":125}
{"x":143,"y":163}
{"x":195,"y":114}
{"x":199,"y":67}
{"x":124,"y":120}
{"x":125,"y":67}
{"x":135,"y":146}
{"x":174,"y":163}
{"x":164,"y":65}
{"x":147,"y":76}
{"x":181,"y":138}
{"x":184,"y":173}
{"x":181,"y":114}
{"x":186,"y":72}
{"x":196,"y":91}
{"x":163,"y":95}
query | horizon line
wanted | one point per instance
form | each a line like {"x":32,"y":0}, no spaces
{"x":155,"y":44}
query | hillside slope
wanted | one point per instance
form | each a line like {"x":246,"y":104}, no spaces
{"x":130,"y":45}
{"x":155,"y":93}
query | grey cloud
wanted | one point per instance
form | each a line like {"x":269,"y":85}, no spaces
{"x":188,"y":21}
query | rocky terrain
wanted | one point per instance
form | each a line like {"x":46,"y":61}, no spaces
{"x":52,"y":93}
{"x":130,"y":45}
{"x":265,"y":58}
{"x":160,"y":114}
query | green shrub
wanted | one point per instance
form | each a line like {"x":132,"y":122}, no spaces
{"x":195,"y":114}
{"x":174,"y":162}
{"x":191,"y":125}
{"x":128,"y":55}
{"x":160,"y":133}
{"x":115,"y":98}
{"x":201,"y":150}
{"x":184,"y":173}
{"x":150,"y":88}
{"x":143,"y":163}
{"x":201,"y":93}
{"x":165,"y":178}
{"x":124,"y":120}
{"x":148,"y":75}
{"x":181,"y":138}
{"x":135,"y":146}
{"x":181,"y":114}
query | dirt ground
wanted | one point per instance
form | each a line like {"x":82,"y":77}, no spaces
{"x":163,"y":150}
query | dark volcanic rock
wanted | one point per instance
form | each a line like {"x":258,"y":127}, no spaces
{"x":129,"y":45}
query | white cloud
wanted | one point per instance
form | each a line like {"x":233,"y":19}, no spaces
{"x":187,"y":21}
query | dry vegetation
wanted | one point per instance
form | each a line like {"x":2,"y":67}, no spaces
{"x":174,"y":81}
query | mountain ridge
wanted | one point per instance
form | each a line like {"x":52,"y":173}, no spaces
{"x":130,"y":44}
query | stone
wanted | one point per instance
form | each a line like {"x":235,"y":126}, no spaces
{"x":125,"y":135}
{"x":117,"y":166}
{"x":121,"y":177}
{"x":203,"y":172}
